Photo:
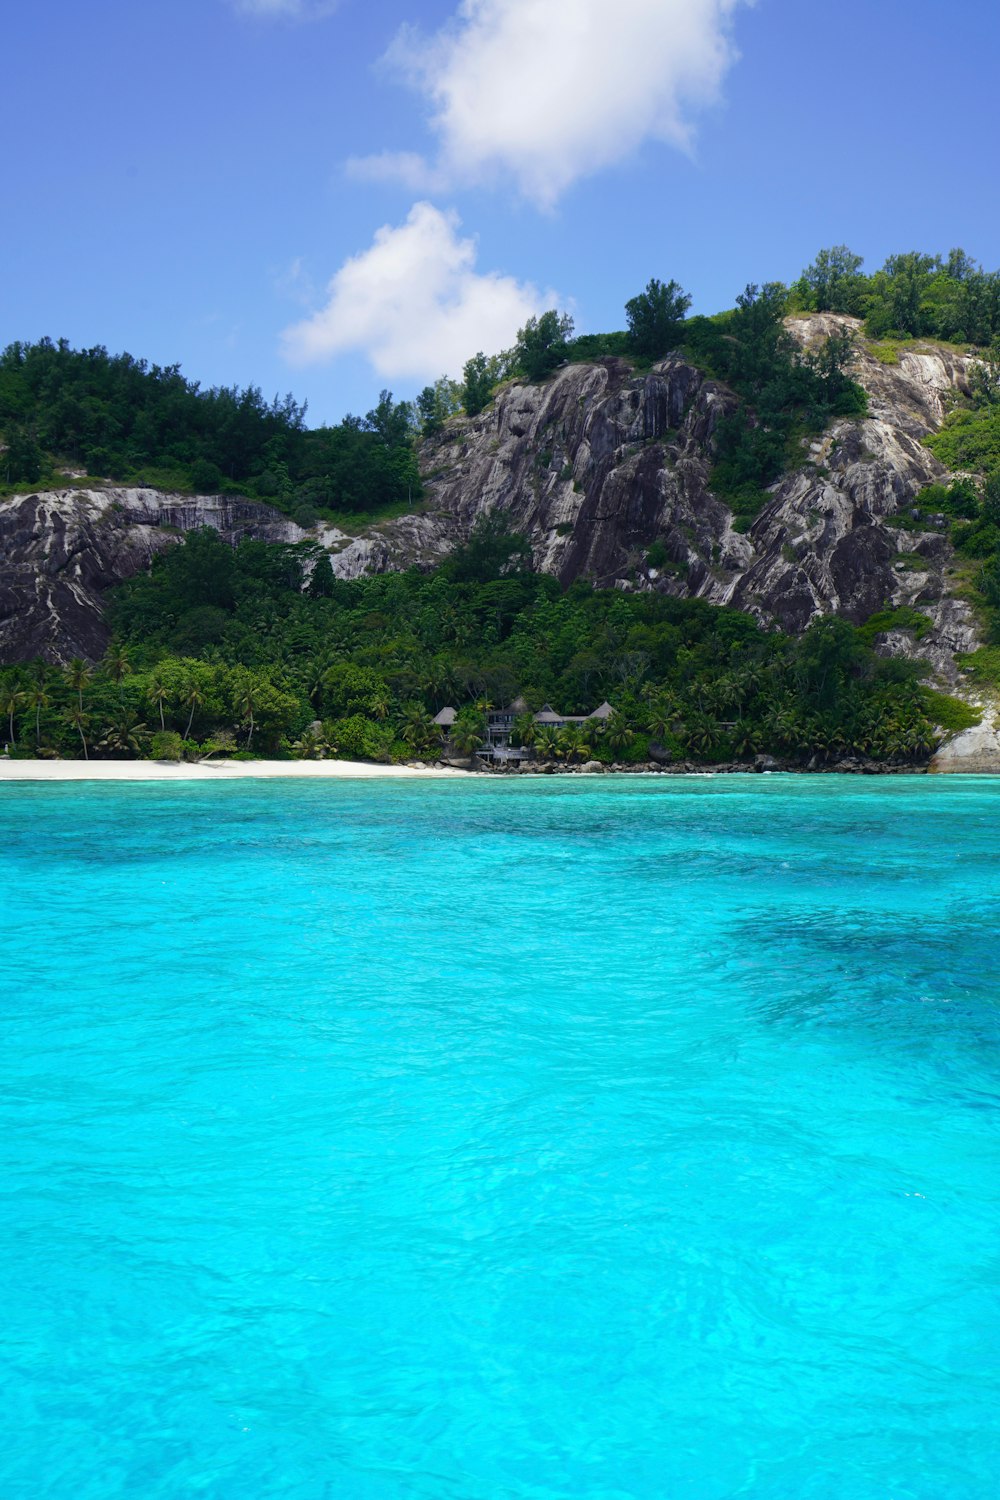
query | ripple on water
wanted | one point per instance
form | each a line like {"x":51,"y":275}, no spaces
{"x":619,"y":1139}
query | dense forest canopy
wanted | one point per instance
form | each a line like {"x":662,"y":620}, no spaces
{"x":219,"y":647}
{"x":117,"y":417}
{"x":124,"y":419}
{"x":249,"y":649}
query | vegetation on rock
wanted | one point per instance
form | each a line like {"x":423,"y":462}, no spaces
{"x":121,"y":418}
{"x":260,"y":648}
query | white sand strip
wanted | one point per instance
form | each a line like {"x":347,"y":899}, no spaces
{"x":222,"y":770}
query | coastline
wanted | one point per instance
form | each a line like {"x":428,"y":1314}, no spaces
{"x":223,"y":770}
{"x":51,"y":771}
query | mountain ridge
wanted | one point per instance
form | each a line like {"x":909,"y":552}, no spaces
{"x":608,"y":473}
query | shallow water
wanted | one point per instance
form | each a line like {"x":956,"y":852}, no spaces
{"x":626,"y":1138}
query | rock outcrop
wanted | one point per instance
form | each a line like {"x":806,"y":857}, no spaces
{"x":974,"y":752}
{"x":60,"y":551}
{"x":595,"y":466}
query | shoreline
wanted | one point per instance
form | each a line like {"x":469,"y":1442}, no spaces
{"x":51,"y":771}
{"x":222,"y":770}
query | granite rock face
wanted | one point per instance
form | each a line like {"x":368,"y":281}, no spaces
{"x":594,"y":466}
{"x":974,"y":752}
{"x":60,"y":550}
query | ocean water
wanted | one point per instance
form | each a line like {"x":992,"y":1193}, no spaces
{"x":557,"y":1138}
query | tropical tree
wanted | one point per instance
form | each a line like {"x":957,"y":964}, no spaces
{"x":192,"y":698}
{"x":126,"y":736}
{"x":662,"y":716}
{"x":571,"y":741}
{"x":79,"y":720}
{"x":159,"y":692}
{"x":541,"y":344}
{"x":478,"y":379}
{"x":38,"y":698}
{"x":222,"y":742}
{"x":746,"y":740}
{"x":619,"y":733}
{"x":833,"y":282}
{"x":525,"y":729}
{"x":12,"y":699}
{"x":117,"y":664}
{"x":465,"y":737}
{"x":245,"y":701}
{"x":703,"y":733}
{"x":546,"y":741}
{"x":655,"y":317}
{"x":78,"y":675}
{"x":417,"y":728}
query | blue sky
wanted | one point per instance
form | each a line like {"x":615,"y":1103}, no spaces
{"x":203,"y":181}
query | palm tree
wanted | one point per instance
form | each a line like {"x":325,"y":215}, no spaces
{"x":246,"y":701}
{"x":192,"y":699}
{"x":525,"y":729}
{"x":79,"y":721}
{"x":662,"y":716}
{"x":745,"y":739}
{"x":125,"y":736}
{"x":159,"y":692}
{"x":417,"y":727}
{"x":117,"y":665}
{"x":11,"y":701}
{"x":703,"y":733}
{"x":319,"y":745}
{"x":571,"y":741}
{"x":465,"y":737}
{"x":38,"y":699}
{"x":78,"y":676}
{"x":717,"y":695}
{"x":619,"y":733}
{"x":546,"y":740}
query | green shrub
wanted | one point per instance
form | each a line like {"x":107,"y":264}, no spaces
{"x":902,"y":618}
{"x":952,"y":714}
{"x":968,"y":440}
{"x":358,"y":738}
{"x":166,"y":745}
{"x":206,"y":477}
{"x":959,"y":499}
{"x":982,"y":666}
{"x":975,"y":539}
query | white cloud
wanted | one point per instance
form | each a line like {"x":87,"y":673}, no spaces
{"x":550,"y":92}
{"x":414,"y":303}
{"x":293,"y":10}
{"x":295,"y":284}
{"x":405,"y":167}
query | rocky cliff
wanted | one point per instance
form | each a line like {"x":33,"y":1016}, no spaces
{"x":59,"y":552}
{"x":595,"y":466}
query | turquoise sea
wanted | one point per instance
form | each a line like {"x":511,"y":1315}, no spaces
{"x":628,"y":1139}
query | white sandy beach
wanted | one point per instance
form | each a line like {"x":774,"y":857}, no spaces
{"x":223,"y":770}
